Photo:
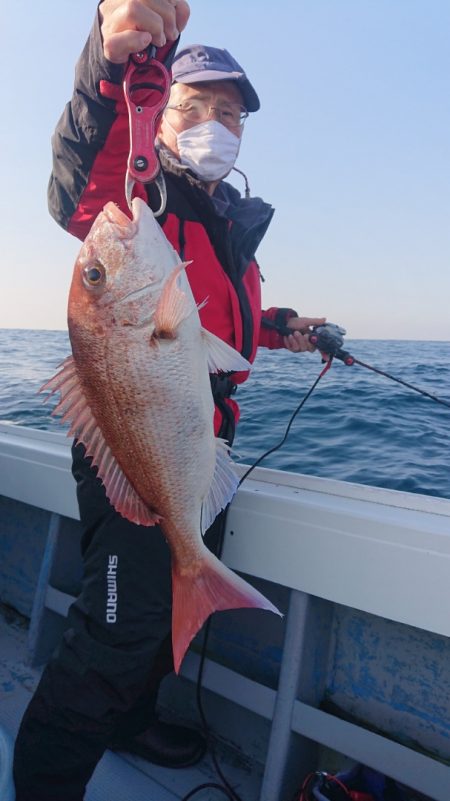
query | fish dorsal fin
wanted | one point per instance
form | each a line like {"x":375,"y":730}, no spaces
{"x":75,"y":409}
{"x":222,"y":357}
{"x":223,"y":485}
{"x":173,"y":305}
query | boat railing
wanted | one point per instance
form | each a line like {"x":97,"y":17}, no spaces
{"x":330,"y":543}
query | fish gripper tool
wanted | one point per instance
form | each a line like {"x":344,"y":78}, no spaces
{"x":146,"y":88}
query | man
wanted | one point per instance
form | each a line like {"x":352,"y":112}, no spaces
{"x":100,"y":689}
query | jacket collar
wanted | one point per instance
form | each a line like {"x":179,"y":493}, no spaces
{"x":251,"y":214}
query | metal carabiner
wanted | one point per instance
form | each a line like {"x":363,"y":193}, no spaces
{"x":146,"y":88}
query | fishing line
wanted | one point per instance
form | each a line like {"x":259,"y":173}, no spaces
{"x":291,"y":420}
{"x":203,"y":787}
{"x":324,"y":341}
{"x":226,"y":788}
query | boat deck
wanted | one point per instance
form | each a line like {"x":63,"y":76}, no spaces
{"x":118,"y":776}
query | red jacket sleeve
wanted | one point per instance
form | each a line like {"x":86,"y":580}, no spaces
{"x":269,"y":337}
{"x":91,"y":141}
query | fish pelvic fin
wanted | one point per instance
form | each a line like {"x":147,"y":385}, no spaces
{"x":223,"y":485}
{"x":74,"y":408}
{"x":214,"y":588}
{"x":173,"y":305}
{"x":222,"y":358}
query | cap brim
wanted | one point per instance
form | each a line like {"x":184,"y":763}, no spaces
{"x":249,"y":96}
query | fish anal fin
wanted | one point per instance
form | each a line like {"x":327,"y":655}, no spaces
{"x":214,"y":588}
{"x":74,"y":408}
{"x":121,"y":493}
{"x":223,"y":485}
{"x":173,"y":305}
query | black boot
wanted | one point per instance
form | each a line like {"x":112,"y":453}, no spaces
{"x":165,"y":744}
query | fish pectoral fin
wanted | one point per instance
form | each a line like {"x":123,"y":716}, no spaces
{"x":223,"y":485}
{"x":213,"y":588}
{"x":221,"y":356}
{"x":173,"y":306}
{"x":75,"y":409}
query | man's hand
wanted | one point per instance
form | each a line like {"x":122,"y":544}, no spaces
{"x":129,"y":26}
{"x":298,"y":341}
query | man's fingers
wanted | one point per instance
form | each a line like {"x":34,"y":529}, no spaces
{"x":135,"y":15}
{"x":174,"y":13}
{"x":162,"y":19}
{"x":118,"y":46}
{"x":182,"y":12}
{"x":303,"y":323}
{"x":165,"y":11}
{"x":315,"y":320}
{"x":298,"y":343}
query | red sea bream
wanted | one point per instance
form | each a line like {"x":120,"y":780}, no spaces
{"x":136,"y":391}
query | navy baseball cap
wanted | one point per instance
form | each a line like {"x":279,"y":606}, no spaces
{"x":196,"y":63}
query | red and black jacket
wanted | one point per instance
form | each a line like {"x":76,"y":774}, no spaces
{"x":219,"y":235}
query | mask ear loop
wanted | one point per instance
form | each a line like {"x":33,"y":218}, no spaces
{"x":247,"y":185}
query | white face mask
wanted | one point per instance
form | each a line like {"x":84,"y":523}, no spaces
{"x":209,"y":149}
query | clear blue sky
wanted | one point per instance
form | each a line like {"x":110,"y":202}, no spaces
{"x":352,"y":147}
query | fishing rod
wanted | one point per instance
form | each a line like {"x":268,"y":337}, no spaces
{"x":329,"y":339}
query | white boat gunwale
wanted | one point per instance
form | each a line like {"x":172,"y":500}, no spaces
{"x":320,"y":538}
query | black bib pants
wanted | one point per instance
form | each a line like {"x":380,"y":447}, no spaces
{"x":116,"y":650}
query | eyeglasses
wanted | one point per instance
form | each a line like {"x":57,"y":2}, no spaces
{"x":232,"y":115}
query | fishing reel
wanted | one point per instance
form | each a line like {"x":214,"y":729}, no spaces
{"x":329,"y":338}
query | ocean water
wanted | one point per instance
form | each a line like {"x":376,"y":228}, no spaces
{"x":356,"y":426}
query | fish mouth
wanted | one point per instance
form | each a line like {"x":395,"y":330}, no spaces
{"x":128,"y":227}
{"x":116,"y":216}
{"x":140,"y":210}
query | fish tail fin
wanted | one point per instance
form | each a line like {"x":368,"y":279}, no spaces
{"x":214,"y":587}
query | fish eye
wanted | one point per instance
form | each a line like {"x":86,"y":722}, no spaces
{"x":94,"y":275}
